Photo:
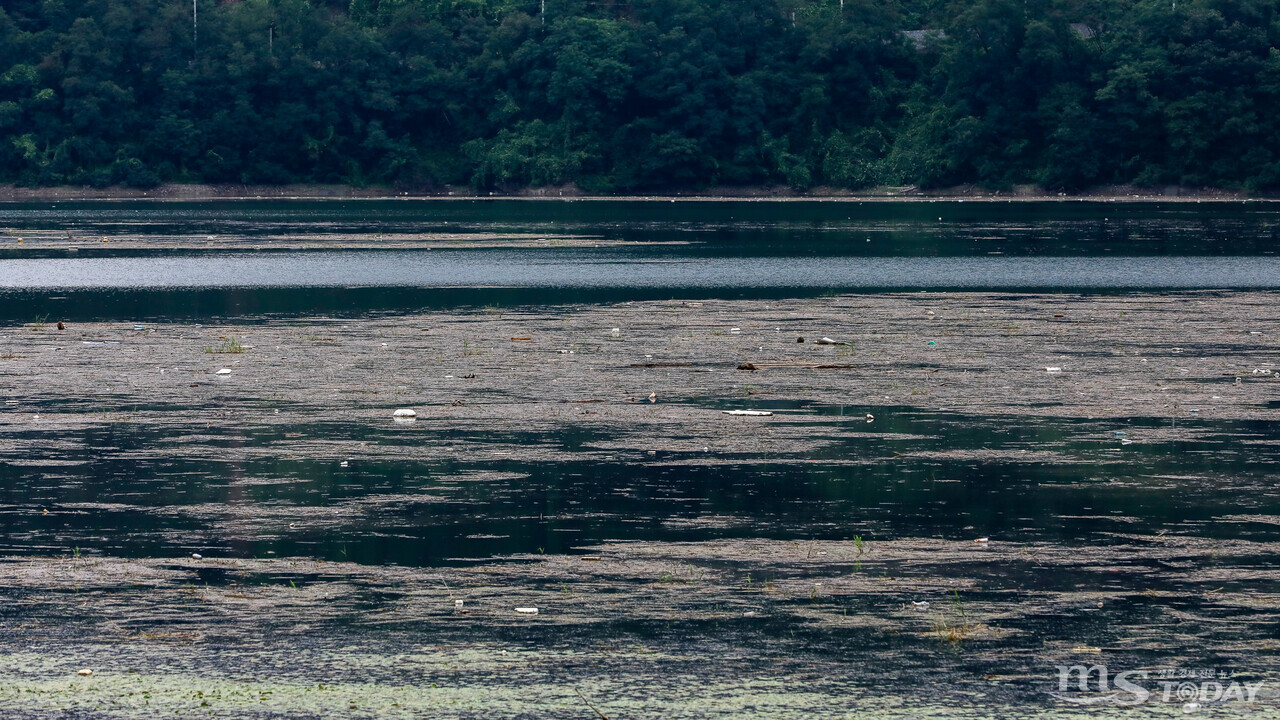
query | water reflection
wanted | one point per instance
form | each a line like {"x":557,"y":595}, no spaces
{"x":132,"y":491}
{"x":726,"y":250}
{"x":720,"y":228}
{"x":555,"y":270}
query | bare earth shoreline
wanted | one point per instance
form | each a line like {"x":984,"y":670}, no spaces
{"x":742,"y":628}
{"x":195,"y":192}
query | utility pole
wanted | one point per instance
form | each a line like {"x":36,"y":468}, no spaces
{"x":195,"y":30}
{"x":542,"y":15}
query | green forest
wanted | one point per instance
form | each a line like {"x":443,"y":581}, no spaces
{"x":640,"y":95}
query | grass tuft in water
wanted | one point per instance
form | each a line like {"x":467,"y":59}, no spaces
{"x":955,"y":627}
{"x":229,"y":346}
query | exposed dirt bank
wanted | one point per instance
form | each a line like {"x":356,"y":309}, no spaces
{"x":1110,"y":193}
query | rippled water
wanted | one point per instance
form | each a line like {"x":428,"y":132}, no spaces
{"x":655,"y":250}
{"x":134,"y":490}
{"x":718,"y":227}
{"x":138,"y":499}
{"x":178,"y":480}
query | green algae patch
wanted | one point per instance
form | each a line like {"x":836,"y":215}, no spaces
{"x":139,"y":695}
{"x":751,"y":627}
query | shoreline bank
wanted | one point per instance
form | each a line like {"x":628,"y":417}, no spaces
{"x":201,"y":192}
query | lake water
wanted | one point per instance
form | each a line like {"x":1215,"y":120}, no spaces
{"x":726,"y":249}
{"x":654,"y":250}
{"x":167,"y":488}
{"x":720,"y":228}
{"x":130,"y":490}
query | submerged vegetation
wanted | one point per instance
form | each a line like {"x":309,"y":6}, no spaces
{"x":274,"y":544}
{"x":626,"y":96}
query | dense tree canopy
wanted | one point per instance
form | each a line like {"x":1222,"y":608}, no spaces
{"x":625,"y":95}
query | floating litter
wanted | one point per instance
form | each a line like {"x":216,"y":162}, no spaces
{"x":527,"y":610}
{"x":752,"y":413}
{"x":404,"y":413}
{"x":223,"y":371}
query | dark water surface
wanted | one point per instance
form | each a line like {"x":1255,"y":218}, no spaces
{"x":722,"y":228}
{"x":170,"y":485}
{"x":728,"y":249}
{"x":656,"y":250}
{"x":133,"y":490}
